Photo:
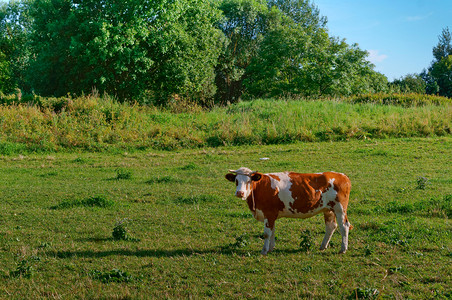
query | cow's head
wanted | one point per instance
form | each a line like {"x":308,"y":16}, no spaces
{"x":243,"y":179}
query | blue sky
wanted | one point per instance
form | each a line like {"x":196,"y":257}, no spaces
{"x":399,"y":34}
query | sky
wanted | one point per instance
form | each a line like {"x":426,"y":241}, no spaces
{"x":398,"y":34}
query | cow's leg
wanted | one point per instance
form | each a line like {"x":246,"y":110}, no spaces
{"x":269,"y":226}
{"x":344,"y":225}
{"x":272,"y":241}
{"x":330,"y":227}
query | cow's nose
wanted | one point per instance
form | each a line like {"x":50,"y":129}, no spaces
{"x":240,"y":194}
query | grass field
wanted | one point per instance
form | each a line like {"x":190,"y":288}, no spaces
{"x":180,"y":233}
{"x":103,"y":124}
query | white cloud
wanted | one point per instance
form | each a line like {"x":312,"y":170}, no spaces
{"x":418,"y":18}
{"x":375,"y":56}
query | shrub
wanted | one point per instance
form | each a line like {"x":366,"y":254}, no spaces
{"x":24,"y":268}
{"x":406,"y":100}
{"x":306,"y":243}
{"x":120,"y":231}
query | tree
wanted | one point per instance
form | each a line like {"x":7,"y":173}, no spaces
{"x":15,"y":26}
{"x":132,"y":49}
{"x":439,"y":74}
{"x":244,"y":25}
{"x":296,"y":59}
{"x":411,"y":83}
{"x":444,"y":46}
{"x":6,"y":84}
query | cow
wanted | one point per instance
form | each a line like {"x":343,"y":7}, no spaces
{"x":294,"y":195}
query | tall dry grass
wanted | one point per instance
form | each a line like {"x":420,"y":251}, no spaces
{"x":101,"y":123}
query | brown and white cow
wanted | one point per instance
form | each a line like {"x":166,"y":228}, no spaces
{"x":294,"y":195}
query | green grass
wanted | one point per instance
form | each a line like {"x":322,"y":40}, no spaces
{"x":103,"y":124}
{"x":190,"y":237}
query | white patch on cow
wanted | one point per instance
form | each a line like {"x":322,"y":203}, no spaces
{"x":344,"y":226}
{"x":268,"y":234}
{"x":283,"y":186}
{"x":330,"y":194}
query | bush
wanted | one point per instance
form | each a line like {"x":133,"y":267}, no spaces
{"x":306,"y":243}
{"x":406,"y":100}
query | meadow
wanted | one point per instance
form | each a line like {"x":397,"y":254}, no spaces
{"x":150,"y":223}
{"x":91,"y":123}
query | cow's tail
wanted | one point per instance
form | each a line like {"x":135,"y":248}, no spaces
{"x":351,"y":226}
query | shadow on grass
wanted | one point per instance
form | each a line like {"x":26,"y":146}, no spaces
{"x":225,"y":250}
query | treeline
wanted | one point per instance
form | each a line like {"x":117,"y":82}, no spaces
{"x":204,"y":51}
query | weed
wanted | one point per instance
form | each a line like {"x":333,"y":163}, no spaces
{"x":197,"y":199}
{"x":306,"y":269}
{"x":368,"y":250}
{"x":79,"y":160}
{"x":190,"y":166}
{"x":95,"y":201}
{"x":393,"y":270}
{"x":45,"y":245}
{"x":164,"y":179}
{"x":120,"y":232}
{"x":24,"y":268}
{"x":422,"y":183}
{"x":123,"y":174}
{"x":395,"y":232}
{"x":396,"y":207}
{"x":240,"y":242}
{"x":435,"y":207}
{"x":114,"y":275}
{"x":306,"y":243}
{"x":366,"y":293}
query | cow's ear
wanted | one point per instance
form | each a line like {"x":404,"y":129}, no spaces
{"x":256,"y":176}
{"x":230,"y":177}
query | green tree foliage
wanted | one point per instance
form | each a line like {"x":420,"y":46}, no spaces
{"x":297,"y":57}
{"x":158,"y":50}
{"x":411,"y":83}
{"x":15,"y":24}
{"x":282,"y":48}
{"x":244,"y":26}
{"x":6,"y":84}
{"x":438,"y":77}
{"x":131,"y":49}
